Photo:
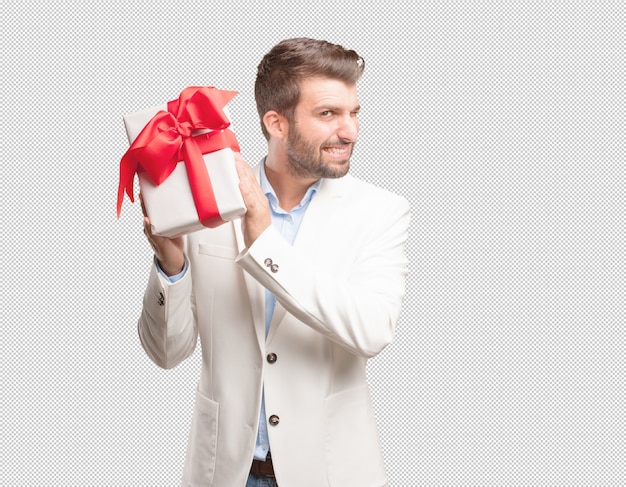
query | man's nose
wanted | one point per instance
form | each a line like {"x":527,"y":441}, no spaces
{"x":348,"y":128}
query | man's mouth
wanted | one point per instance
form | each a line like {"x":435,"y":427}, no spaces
{"x":342,"y":150}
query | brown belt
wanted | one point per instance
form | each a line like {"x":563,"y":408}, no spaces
{"x":263,"y":469}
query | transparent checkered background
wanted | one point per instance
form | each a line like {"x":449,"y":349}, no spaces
{"x":502,"y":123}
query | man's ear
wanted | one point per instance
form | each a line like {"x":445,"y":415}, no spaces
{"x":276,"y":124}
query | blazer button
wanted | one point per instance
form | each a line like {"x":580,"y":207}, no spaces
{"x":271,"y":357}
{"x":274,"y":420}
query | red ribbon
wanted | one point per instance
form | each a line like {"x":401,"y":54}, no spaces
{"x":167,"y":139}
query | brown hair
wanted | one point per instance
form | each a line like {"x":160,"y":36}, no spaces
{"x":281,"y":70}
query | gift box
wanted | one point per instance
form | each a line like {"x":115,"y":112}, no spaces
{"x":183,"y":155}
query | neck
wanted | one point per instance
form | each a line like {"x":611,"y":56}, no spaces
{"x":289,"y":189}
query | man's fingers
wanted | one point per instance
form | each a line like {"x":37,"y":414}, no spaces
{"x":244,"y":171}
{"x":247,"y":182}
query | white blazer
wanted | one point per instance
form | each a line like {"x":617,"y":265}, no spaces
{"x":339,"y":291}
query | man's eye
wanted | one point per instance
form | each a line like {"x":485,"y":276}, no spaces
{"x":326,"y":113}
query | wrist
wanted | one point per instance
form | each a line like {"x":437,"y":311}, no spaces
{"x":171,"y":268}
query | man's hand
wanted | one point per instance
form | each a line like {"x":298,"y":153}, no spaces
{"x":168,"y":251}
{"x":257,"y":218}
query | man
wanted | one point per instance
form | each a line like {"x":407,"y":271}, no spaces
{"x":290,"y":301}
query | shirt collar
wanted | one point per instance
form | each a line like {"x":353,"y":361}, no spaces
{"x":266,"y":187}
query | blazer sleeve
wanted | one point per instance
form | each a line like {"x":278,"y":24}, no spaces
{"x":167,"y":326}
{"x":358,"y":311}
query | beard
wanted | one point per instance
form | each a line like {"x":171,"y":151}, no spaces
{"x":305,"y":159}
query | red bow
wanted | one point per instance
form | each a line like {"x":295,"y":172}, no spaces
{"x":167,"y":139}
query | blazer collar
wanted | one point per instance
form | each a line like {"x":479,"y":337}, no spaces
{"x":319,"y":212}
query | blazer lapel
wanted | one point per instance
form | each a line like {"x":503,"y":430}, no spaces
{"x":319,"y":214}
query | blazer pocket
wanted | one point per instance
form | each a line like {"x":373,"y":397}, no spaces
{"x":202,"y":449}
{"x":217,"y":251}
{"x":354,"y":455}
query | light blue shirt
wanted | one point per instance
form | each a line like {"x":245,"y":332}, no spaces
{"x":287,"y":225}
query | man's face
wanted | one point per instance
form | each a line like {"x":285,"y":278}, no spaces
{"x":324,"y":130}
